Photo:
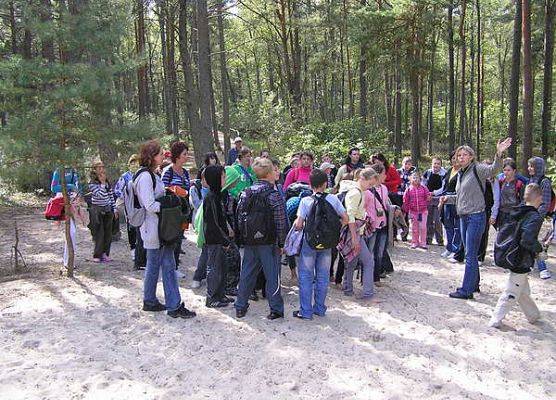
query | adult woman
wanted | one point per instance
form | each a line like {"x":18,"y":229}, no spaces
{"x":211,"y":158}
{"x":103,"y":212}
{"x":393,"y":179}
{"x":352,"y":245}
{"x":470,"y":206}
{"x":351,"y":163}
{"x":158,"y":258}
{"x":301,"y":173}
{"x":449,"y":216}
{"x":176,"y":175}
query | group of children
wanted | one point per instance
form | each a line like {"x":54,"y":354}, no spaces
{"x":246,"y":208}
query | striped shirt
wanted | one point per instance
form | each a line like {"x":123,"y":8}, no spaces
{"x":173,"y":178}
{"x":102,"y":195}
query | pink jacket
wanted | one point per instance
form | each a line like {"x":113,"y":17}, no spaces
{"x":300,"y":174}
{"x":373,"y":207}
{"x":416,"y":199}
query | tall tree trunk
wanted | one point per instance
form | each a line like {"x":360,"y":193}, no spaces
{"x":463,"y":50}
{"x":171,"y":36}
{"x":191,"y":93}
{"x":348,"y":61}
{"x":205,"y":81}
{"x":388,"y":101}
{"x":480,"y":101}
{"x":398,"y":112}
{"x":142,"y":78}
{"x":47,"y":51}
{"x":430,"y":99}
{"x":224,"y":80}
{"x":451,"y":80}
{"x":546,"y":118}
{"x":13,"y":28}
{"x":363,"y":84}
{"x":165,"y":68}
{"x":513,"y":96}
{"x":527,"y":84}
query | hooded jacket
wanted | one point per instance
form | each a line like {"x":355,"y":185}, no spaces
{"x":529,"y":246}
{"x":543,"y":182}
{"x":215,"y":226}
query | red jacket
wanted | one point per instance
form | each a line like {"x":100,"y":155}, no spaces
{"x":393,"y":179}
{"x":416,"y":199}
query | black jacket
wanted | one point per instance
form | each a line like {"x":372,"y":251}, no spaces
{"x":529,"y":246}
{"x":214,"y":220}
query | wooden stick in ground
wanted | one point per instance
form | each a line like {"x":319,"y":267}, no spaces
{"x":69,"y":217}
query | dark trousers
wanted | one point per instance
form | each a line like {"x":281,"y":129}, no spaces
{"x":338,"y":276}
{"x":484,"y":239}
{"x":140,"y":252}
{"x":201,"y":271}
{"x":216,"y":272}
{"x":132,"y":236}
{"x":101,"y":229}
{"x":177,"y":250}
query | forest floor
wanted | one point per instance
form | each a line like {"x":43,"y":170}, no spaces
{"x":86,"y":338}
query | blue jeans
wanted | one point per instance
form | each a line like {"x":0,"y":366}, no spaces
{"x":313,"y":272}
{"x":472,"y":227}
{"x":255,"y":258}
{"x":161,"y":259}
{"x":452,"y":227}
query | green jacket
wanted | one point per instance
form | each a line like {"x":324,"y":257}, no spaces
{"x":236,"y":173}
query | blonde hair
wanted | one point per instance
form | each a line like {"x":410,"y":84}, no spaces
{"x":532,"y":191}
{"x":263,"y":167}
{"x":416,"y":174}
{"x":467,"y":149}
{"x":367,"y":174}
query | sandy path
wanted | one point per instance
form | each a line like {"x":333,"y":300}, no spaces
{"x":86,"y":338}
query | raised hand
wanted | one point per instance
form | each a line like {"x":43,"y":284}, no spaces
{"x":503,"y":145}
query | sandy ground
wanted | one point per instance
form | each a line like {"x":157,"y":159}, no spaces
{"x":86,"y":338}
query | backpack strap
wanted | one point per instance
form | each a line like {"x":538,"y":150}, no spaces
{"x":483,"y":189}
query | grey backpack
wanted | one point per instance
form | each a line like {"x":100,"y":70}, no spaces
{"x":135,"y":214}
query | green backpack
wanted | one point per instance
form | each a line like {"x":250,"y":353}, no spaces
{"x":198,"y":225}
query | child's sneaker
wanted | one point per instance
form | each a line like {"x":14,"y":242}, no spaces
{"x":96,"y":260}
{"x":495,"y":324}
{"x":446,"y":254}
{"x":413,"y":246}
{"x":453,"y":260}
{"x":545,"y":274}
{"x":424,"y":247}
{"x":105,"y":258}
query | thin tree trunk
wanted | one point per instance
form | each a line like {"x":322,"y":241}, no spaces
{"x":463,"y":50}
{"x":451,"y":80}
{"x":513,"y":97}
{"x":363,"y":83}
{"x":224,"y":79}
{"x":546,"y":118}
{"x":398,"y":112}
{"x":430,"y":102}
{"x":165,"y":69}
{"x":205,"y":80}
{"x":480,"y":60}
{"x":13,"y":28}
{"x":527,"y":84}
{"x":47,"y":51}
{"x":142,"y":78}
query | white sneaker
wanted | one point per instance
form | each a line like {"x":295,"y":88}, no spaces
{"x":495,"y":324}
{"x":179,"y":274}
{"x":446,"y":254}
{"x":545,"y":274}
{"x":453,"y":260}
{"x":132,"y":252}
{"x":195,"y":284}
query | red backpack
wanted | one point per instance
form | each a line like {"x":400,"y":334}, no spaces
{"x":55,"y":209}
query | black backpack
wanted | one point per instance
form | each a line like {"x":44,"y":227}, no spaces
{"x":170,"y":219}
{"x":255,"y":219}
{"x":322,"y":227}
{"x":488,"y":194}
{"x":507,"y":252}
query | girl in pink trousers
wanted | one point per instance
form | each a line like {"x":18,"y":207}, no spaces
{"x":415,"y":201}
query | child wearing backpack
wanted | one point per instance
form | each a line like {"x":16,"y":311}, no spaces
{"x":319,"y":217}
{"x":536,"y":169}
{"x":217,"y":237}
{"x":415,"y":202}
{"x":520,"y":247}
{"x":263,"y":226}
{"x":352,"y":244}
